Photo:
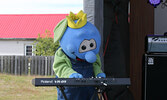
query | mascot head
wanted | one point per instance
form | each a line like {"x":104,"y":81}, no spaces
{"x":78,"y":38}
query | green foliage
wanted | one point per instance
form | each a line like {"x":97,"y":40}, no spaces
{"x":44,"y":45}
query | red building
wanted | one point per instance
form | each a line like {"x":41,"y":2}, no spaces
{"x":18,"y":31}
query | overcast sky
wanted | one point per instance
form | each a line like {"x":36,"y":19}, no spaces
{"x":40,"y":6}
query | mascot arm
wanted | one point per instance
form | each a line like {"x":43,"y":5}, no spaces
{"x":97,"y":66}
{"x":62,"y":66}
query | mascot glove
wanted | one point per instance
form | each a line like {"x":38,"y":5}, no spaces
{"x":75,"y":75}
{"x":102,"y":75}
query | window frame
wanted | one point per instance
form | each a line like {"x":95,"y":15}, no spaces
{"x":25,"y":50}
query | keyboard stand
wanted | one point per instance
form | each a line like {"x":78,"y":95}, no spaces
{"x":100,"y":93}
{"x":61,"y":88}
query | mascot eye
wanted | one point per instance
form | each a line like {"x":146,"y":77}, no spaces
{"x":91,"y":45}
{"x":83,"y":47}
{"x":87,"y":45}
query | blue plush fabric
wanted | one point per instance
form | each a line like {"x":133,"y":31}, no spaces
{"x":83,"y":43}
{"x":79,"y":93}
{"x":75,"y":75}
{"x":102,"y":75}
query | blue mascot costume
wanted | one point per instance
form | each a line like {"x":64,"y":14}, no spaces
{"x":77,"y":56}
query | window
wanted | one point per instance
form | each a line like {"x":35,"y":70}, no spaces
{"x":28,"y":50}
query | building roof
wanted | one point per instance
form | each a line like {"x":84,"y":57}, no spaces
{"x":28,"y":25}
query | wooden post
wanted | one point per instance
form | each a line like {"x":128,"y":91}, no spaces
{"x":141,"y":24}
{"x":12,"y":65}
{"x":15,"y":72}
{"x":49,"y":66}
{"x":22,"y":65}
{"x":94,"y":10}
{"x":39,"y":65}
{"x":52,"y":60}
{"x":19,"y":66}
{"x":26,"y":65}
{"x":4,"y":70}
{"x":8,"y":65}
{"x":36,"y":66}
{"x":42,"y":66}
{"x":2,"y":64}
{"x":24,"y":60}
{"x":32,"y":65}
{"x":46,"y":66}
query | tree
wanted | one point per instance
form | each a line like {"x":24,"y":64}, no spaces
{"x":44,"y":45}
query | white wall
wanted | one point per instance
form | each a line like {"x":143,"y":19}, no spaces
{"x":13,"y":47}
{"x":160,"y":18}
{"x":89,"y":9}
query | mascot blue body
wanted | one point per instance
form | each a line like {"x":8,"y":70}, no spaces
{"x":78,"y":57}
{"x":83,"y":43}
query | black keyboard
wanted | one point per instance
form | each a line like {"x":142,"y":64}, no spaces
{"x":80,"y":81}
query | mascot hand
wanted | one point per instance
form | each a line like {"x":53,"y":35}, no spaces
{"x":75,"y":75}
{"x":102,"y":75}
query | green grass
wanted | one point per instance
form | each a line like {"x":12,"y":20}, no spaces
{"x":20,"y":88}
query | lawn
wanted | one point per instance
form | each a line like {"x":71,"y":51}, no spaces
{"x":20,"y":88}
